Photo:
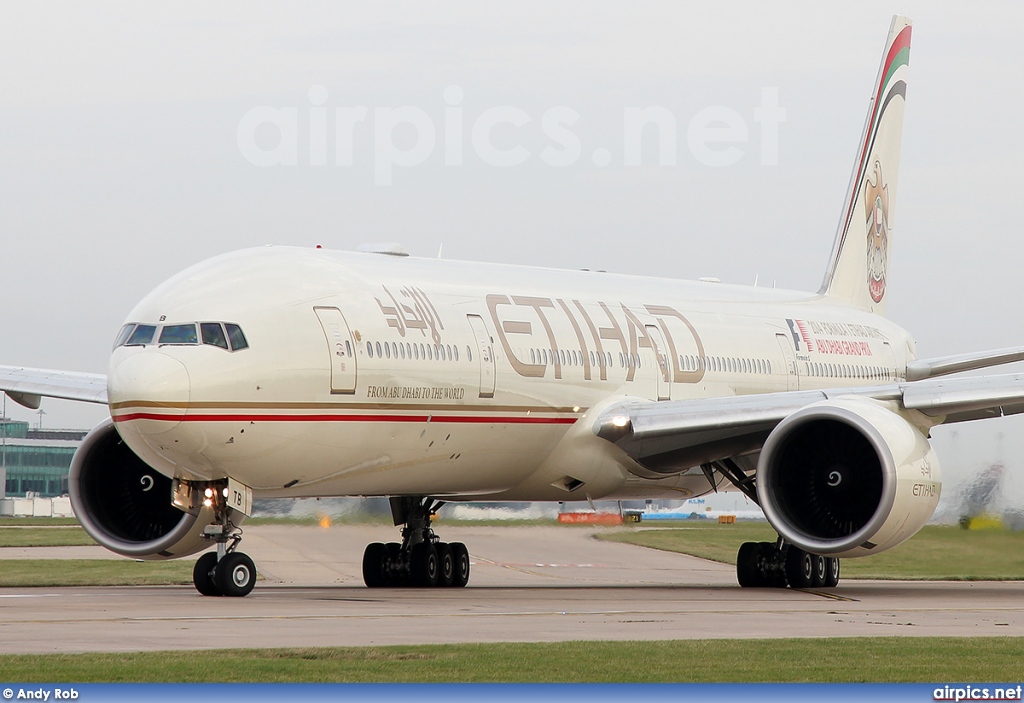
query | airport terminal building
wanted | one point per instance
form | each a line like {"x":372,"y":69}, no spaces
{"x":35,"y":461}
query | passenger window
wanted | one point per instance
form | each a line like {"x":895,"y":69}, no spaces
{"x":179,"y":334}
{"x":236,"y":337}
{"x":143,"y":334}
{"x":348,"y":348}
{"x":213,"y":334}
{"x":469,"y":353}
{"x":369,"y":349}
{"x":123,"y":335}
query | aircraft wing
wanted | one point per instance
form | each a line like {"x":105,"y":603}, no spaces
{"x":27,"y":386}
{"x":928,"y":368}
{"x":668,"y":435}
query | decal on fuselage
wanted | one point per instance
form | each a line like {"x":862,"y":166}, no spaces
{"x":837,"y":338}
{"x":420,"y":315}
{"x":627,"y":335}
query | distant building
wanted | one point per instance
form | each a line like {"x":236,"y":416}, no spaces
{"x":35,"y":461}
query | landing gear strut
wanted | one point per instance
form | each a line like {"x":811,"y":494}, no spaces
{"x":772,"y":564}
{"x":421,"y":559}
{"x":226,"y":572}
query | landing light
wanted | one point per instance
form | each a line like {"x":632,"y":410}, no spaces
{"x":208,"y":493}
{"x":620,"y":420}
{"x":208,"y":503}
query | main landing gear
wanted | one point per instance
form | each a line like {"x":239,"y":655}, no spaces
{"x":772,"y":564}
{"x":777,"y":565}
{"x":226,"y":572}
{"x":421,"y":559}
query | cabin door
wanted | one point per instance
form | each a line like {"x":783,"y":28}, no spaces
{"x":341,"y":347}
{"x":664,"y":369}
{"x":789,"y":362}
{"x":485,"y":355}
{"x":889,"y":362}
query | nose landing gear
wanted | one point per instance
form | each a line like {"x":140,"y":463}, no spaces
{"x":226,"y":572}
{"x":421,"y":560}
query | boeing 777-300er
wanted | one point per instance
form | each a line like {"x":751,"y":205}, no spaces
{"x":291,"y":372}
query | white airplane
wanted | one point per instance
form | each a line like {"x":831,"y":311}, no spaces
{"x":291,"y":372}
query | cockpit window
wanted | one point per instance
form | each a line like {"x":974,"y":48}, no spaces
{"x":143,"y":334}
{"x":179,"y":334}
{"x":236,"y":337}
{"x":123,"y":335}
{"x":213,"y":334}
{"x":225,"y":335}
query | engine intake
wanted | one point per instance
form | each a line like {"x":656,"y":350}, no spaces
{"x":847,"y":477}
{"x":125,"y":505}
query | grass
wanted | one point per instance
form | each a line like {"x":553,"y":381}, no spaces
{"x":58,"y":536}
{"x":93,"y":572}
{"x":935,"y":553}
{"x":38,"y":521}
{"x":861,"y":659}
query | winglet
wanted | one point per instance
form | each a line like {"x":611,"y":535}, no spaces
{"x":859,"y":267}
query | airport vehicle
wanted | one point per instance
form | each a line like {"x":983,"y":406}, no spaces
{"x":289,"y":372}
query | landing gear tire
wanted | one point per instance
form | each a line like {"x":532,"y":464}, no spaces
{"x":774,"y":565}
{"x":203,"y":574}
{"x":820,"y":570}
{"x":394,"y":577}
{"x":445,"y":565}
{"x":423,"y":565}
{"x":749,"y":571}
{"x":375,"y":562}
{"x":799,"y":568}
{"x":235,"y":575}
{"x":460,"y":564}
{"x":831,"y":572}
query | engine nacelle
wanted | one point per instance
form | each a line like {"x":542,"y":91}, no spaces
{"x":847,"y":477}
{"x":126,"y":506}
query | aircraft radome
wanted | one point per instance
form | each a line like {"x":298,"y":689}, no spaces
{"x":289,"y":372}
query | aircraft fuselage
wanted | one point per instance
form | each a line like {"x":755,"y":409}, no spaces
{"x":368,"y":374}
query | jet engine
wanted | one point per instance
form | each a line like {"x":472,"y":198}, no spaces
{"x":847,"y":477}
{"x":126,"y":506}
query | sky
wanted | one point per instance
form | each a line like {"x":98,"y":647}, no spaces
{"x":139,"y":139}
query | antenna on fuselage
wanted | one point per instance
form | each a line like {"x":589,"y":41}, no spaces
{"x":440,"y":249}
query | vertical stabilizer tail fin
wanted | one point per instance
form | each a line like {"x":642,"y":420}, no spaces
{"x":859,"y":265}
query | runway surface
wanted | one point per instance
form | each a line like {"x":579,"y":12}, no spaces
{"x":528,"y":584}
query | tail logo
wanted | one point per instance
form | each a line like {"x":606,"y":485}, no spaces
{"x":876,"y":206}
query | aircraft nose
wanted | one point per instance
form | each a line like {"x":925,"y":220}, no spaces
{"x":150,"y":390}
